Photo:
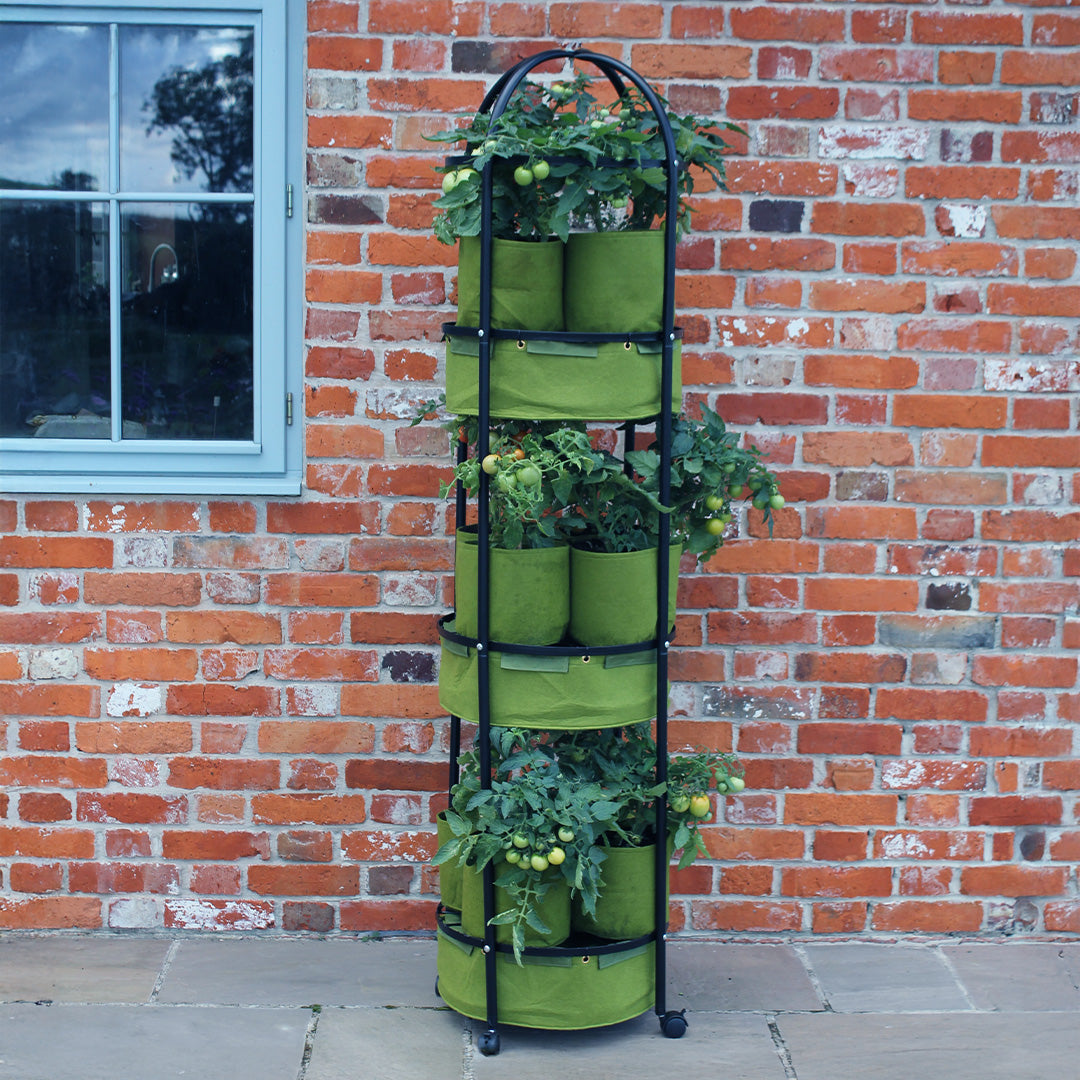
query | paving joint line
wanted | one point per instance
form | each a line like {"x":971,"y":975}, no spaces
{"x":782,"y":1050}
{"x":812,"y":975}
{"x":309,"y":1040}
{"x":951,"y":968}
{"x":163,"y":971}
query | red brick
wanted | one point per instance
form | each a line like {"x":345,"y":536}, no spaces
{"x":840,"y":809}
{"x":75,"y":552}
{"x":927,"y":916}
{"x":815,"y":881}
{"x":749,"y":915}
{"x":1013,"y":880}
{"x":1016,"y":810}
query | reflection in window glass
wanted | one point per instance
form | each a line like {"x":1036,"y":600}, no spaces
{"x":54,"y":320}
{"x":54,"y":121}
{"x":186,"y":96}
{"x":186,"y":324}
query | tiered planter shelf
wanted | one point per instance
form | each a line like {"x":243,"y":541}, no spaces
{"x":627,"y":375}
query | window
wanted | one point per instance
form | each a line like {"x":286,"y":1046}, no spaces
{"x":149,"y":295}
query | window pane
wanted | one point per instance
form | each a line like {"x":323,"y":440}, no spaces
{"x":187,"y":320}
{"x":54,"y":122}
{"x":186,"y":119}
{"x":54,"y":320}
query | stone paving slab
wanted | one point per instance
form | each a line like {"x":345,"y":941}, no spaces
{"x":717,"y":977}
{"x":81,"y":969}
{"x":956,"y":1046}
{"x":150,"y":1042}
{"x":862,"y":977}
{"x":1024,"y":976}
{"x":735,"y":1047}
{"x":303,"y":972}
{"x":388,"y":1044}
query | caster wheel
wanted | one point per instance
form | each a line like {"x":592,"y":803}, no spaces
{"x":437,"y":994}
{"x":673,"y":1024}
{"x":488,"y":1042}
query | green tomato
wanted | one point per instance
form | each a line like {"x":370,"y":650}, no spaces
{"x":519,"y":840}
{"x":538,"y":862}
{"x":713,"y":502}
{"x":565,"y":834}
{"x":714,"y":526}
{"x":541,"y":170}
{"x":528,"y":475}
{"x":513,"y":857}
{"x":700,"y":806}
{"x":760,"y":502}
{"x":736,"y":491}
{"x":680,"y":804}
{"x":736,"y":783}
{"x":523,"y":177}
{"x":465,"y":175}
{"x":729,"y":468}
{"x":505,"y":482}
{"x":449,"y":182}
{"x":490,"y":464}
{"x":777,"y":501}
{"x":556,"y":856}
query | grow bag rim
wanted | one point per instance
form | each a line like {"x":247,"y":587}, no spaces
{"x":584,"y":337}
{"x":573,"y":159}
{"x":547,"y":650}
{"x":599,"y":949}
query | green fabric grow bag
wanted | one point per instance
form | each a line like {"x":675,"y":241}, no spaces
{"x":529,"y":595}
{"x":624,"y":908}
{"x":613,"y":595}
{"x":558,"y":693}
{"x":554,"y":911}
{"x":526,"y":284}
{"x":557,"y":993}
{"x":613,"y":282}
{"x":449,"y":872}
{"x":562,"y":380}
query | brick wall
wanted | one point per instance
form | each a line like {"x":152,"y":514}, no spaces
{"x":222,"y":713}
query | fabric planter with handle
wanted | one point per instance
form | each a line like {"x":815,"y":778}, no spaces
{"x":561,"y":993}
{"x":529,"y":592}
{"x":624,"y":908}
{"x":526,"y":284}
{"x":557,"y":693}
{"x":553,"y":910}
{"x":613,"y":595}
{"x":450,"y":872}
{"x":613,"y":282}
{"x":543,"y":379}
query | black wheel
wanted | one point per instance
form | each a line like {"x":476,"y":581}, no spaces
{"x":488,"y":1042}
{"x":437,"y":994}
{"x":673,"y":1024}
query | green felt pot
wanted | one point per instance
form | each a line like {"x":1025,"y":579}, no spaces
{"x":541,"y":379}
{"x":560,"y":993}
{"x":556,"y":693}
{"x":554,"y":910}
{"x":613,"y":282}
{"x":624,"y":908}
{"x":450,"y":872}
{"x":526,"y":284}
{"x":529,"y":594}
{"x":613,"y":595}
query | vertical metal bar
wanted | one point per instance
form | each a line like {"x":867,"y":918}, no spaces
{"x":455,"y":749}
{"x":484,"y":582}
{"x":116,"y":285}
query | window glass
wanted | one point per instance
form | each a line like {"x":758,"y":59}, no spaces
{"x":186,"y":97}
{"x":187,"y":347}
{"x":54,"y":319}
{"x":54,"y":122}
